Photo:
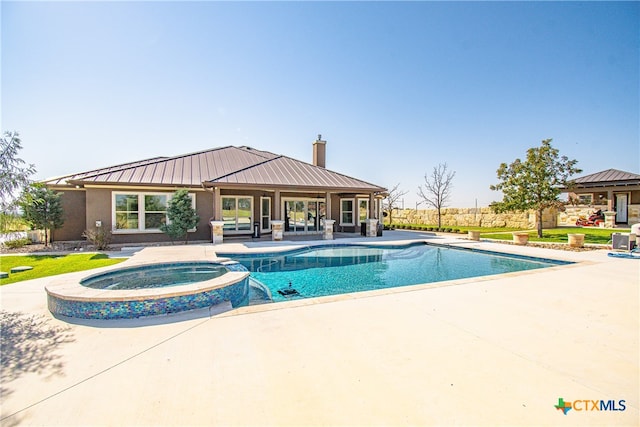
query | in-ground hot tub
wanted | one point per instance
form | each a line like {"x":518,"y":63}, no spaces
{"x":149,"y":290}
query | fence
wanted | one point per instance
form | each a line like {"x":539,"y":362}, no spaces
{"x":36,"y":236}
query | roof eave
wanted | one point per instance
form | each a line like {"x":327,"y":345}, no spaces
{"x":305,"y":188}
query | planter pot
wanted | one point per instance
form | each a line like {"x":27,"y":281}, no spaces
{"x":576,"y":240}
{"x":521,"y":238}
{"x":474,"y":235}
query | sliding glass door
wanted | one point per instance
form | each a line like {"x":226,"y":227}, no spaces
{"x":236,"y":213}
{"x":304,"y":215}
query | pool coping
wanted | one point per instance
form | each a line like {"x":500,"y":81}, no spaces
{"x":75,"y":291}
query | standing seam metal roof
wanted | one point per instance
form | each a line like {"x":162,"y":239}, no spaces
{"x":226,"y":165}
{"x":608,"y":176}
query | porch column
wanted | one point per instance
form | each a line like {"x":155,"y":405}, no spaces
{"x":217,"y":204}
{"x":372,"y":206}
{"x":276,"y":205}
{"x":327,"y":197}
{"x":610,"y":200}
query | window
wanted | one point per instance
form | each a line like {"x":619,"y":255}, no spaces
{"x":363,"y":209}
{"x":265,"y":213}
{"x":155,"y":211}
{"x":237,"y":213}
{"x":346,"y":211}
{"x":585,"y":199}
{"x":141,"y":211}
{"x":126,"y":212}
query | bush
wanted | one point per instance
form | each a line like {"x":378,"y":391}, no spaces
{"x":100,"y":237}
{"x":17,"y":243}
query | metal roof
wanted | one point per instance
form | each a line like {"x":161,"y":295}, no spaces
{"x":608,"y":177}
{"x":63,"y":180}
{"x":283,"y":171}
{"x":225,"y":166}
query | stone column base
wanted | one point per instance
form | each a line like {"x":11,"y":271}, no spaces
{"x":217,"y":231}
{"x":328,"y":229}
{"x":277,"y":230}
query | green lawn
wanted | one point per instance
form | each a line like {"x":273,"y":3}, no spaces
{"x":554,"y":235}
{"x":559,"y":235}
{"x":50,"y":265}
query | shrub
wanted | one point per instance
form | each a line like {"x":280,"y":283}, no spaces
{"x":181,"y":215}
{"x":17,"y":243}
{"x":100,"y":237}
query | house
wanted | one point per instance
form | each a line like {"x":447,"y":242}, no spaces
{"x":612,"y":191}
{"x":243,"y":187}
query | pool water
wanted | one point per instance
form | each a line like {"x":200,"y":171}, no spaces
{"x":321,"y":271}
{"x":155,"y":276}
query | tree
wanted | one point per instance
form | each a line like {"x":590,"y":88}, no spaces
{"x":437,"y":188}
{"x":389,"y":203}
{"x":535,"y":183}
{"x":182,"y":216}
{"x":42,"y":209}
{"x":14,"y":172}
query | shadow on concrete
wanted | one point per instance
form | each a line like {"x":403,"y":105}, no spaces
{"x":28,"y":344}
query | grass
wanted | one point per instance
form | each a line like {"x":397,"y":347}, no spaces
{"x":555,"y":235}
{"x":465,"y":228}
{"x":559,"y":235}
{"x":51,"y":265}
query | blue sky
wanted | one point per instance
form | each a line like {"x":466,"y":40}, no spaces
{"x":394,"y":87}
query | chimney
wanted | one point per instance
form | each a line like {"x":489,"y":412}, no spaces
{"x":319,"y":152}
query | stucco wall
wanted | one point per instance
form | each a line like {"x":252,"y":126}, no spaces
{"x":73,"y":205}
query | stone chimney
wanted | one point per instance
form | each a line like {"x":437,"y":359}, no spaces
{"x":319,"y":152}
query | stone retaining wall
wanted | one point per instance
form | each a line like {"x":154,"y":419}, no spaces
{"x":572,"y":213}
{"x":470,"y":217}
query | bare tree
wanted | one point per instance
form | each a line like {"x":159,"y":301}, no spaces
{"x":393,"y":196}
{"x":437,"y":188}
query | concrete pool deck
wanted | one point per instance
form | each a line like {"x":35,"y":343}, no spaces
{"x":497,"y":350}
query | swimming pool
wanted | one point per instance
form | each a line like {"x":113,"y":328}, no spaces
{"x":151,"y":290}
{"x":336,"y":269}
